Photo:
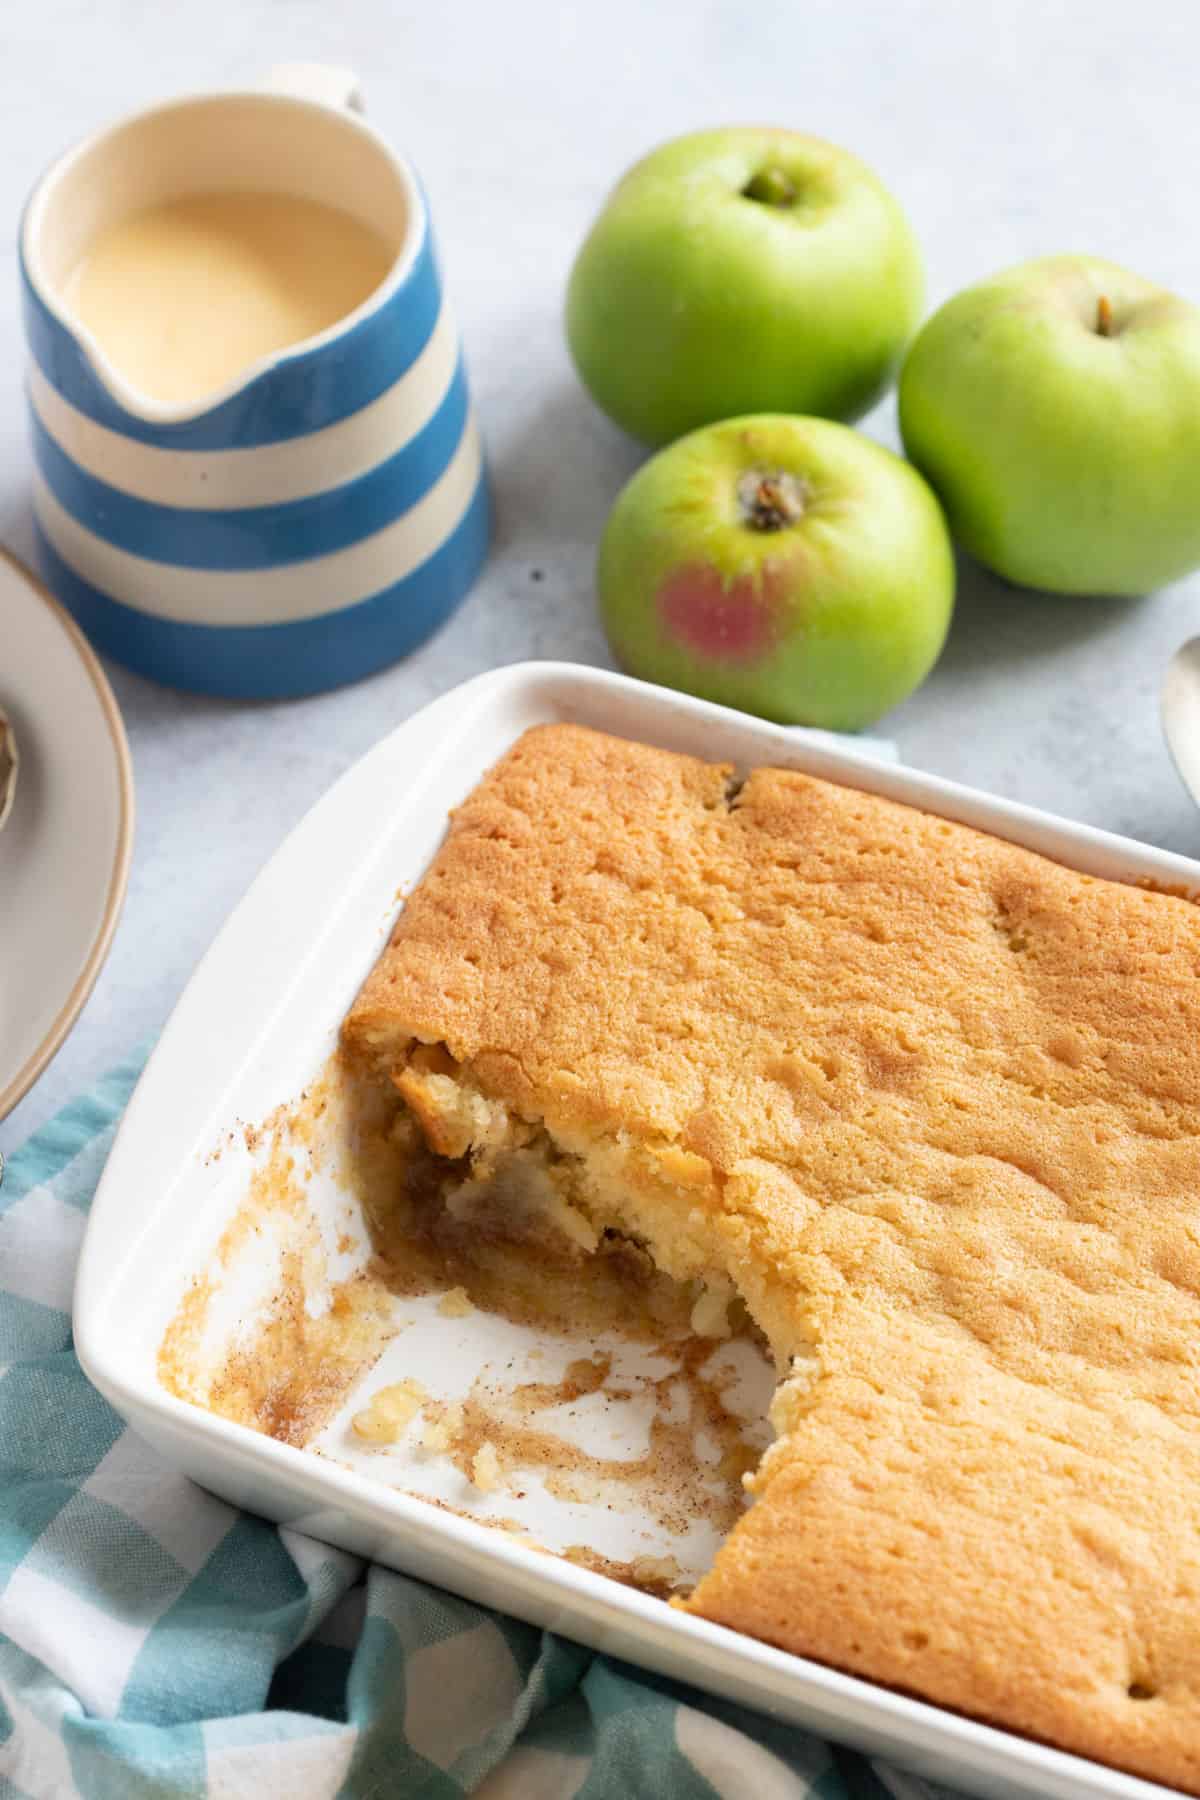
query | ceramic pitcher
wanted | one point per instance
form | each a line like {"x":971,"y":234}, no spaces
{"x":318,"y":517}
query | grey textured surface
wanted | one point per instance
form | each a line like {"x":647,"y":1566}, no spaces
{"x":1007,"y":132}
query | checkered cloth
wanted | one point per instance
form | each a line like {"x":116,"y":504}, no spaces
{"x":155,"y":1641}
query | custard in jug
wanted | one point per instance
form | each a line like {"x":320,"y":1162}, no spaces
{"x":186,"y":296}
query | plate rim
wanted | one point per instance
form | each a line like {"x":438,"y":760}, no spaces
{"x":36,"y":1064}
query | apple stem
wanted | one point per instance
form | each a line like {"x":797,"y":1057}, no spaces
{"x":770,"y":499}
{"x":1104,"y":316}
{"x":771,"y":187}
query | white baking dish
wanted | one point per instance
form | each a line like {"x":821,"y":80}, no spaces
{"x":255,"y":1024}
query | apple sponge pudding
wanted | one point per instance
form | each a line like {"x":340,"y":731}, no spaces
{"x":928,"y":1105}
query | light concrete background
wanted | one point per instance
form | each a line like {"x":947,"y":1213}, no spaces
{"x":1007,"y":131}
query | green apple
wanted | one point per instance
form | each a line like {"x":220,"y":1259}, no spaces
{"x":787,"y":566}
{"x":1056,"y":410}
{"x":742,"y":270}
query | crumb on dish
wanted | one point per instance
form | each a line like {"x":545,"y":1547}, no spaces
{"x":455,"y":1303}
{"x":389,"y":1413}
{"x":485,"y":1468}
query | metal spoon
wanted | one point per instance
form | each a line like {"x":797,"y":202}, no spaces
{"x":8,"y":767}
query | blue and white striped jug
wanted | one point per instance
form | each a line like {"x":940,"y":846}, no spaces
{"x":320,"y":516}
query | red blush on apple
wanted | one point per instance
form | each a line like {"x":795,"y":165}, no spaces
{"x":726,"y":624}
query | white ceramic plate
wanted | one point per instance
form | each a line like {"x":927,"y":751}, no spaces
{"x":65,"y":850}
{"x":255,"y":1025}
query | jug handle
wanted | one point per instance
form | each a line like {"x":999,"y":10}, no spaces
{"x":321,"y":82}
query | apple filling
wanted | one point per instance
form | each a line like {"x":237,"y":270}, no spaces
{"x":476,"y":1170}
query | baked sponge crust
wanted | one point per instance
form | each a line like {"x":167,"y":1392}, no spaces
{"x":932,"y":1103}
